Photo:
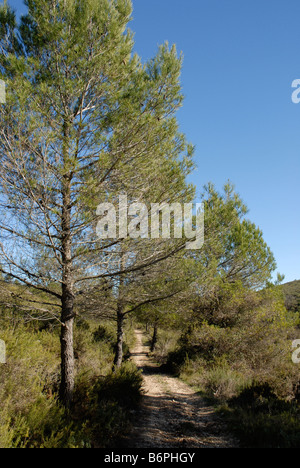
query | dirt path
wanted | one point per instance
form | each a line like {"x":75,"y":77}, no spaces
{"x":172,"y":415}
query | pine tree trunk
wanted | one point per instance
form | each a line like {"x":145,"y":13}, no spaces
{"x":120,"y":340}
{"x":154,"y":338}
{"x":120,"y":319}
{"x":67,"y":315}
{"x":67,"y":360}
{"x":67,"y":346}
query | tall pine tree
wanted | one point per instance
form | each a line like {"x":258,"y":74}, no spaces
{"x":84,"y":121}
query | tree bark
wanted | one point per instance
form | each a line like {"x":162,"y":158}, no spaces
{"x":66,"y":340}
{"x":67,"y":363}
{"x":120,"y":318}
{"x":67,"y":315}
{"x":120,"y":340}
{"x":154,"y":338}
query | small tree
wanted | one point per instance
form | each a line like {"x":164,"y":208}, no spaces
{"x":234,"y":258}
{"x":151,"y":291}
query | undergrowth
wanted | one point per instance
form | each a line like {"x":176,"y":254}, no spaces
{"x":30,"y":413}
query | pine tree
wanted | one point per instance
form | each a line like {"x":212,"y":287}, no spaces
{"x":84,"y":121}
{"x":235,"y":257}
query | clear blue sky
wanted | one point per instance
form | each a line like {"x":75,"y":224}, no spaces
{"x":240,"y":60}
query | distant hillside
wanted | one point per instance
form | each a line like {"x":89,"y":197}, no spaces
{"x":292,"y":294}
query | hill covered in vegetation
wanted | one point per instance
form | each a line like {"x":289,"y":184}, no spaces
{"x":292,"y":295}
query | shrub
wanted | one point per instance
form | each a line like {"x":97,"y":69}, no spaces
{"x":106,"y":403}
{"x":30,"y":414}
{"x":123,"y":386}
{"x":222,"y":383}
{"x":103,"y":334}
{"x":263,"y":420}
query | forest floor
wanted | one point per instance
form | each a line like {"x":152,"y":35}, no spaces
{"x":172,"y":415}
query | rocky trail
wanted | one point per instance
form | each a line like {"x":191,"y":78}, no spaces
{"x":172,"y":415}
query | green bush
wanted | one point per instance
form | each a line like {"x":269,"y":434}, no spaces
{"x":30,"y":414}
{"x":106,"y":334}
{"x":123,"y":386}
{"x":262,"y":420}
{"x":106,"y":403}
{"x":103,"y":334}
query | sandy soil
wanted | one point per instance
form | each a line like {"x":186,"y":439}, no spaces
{"x":172,"y":414}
